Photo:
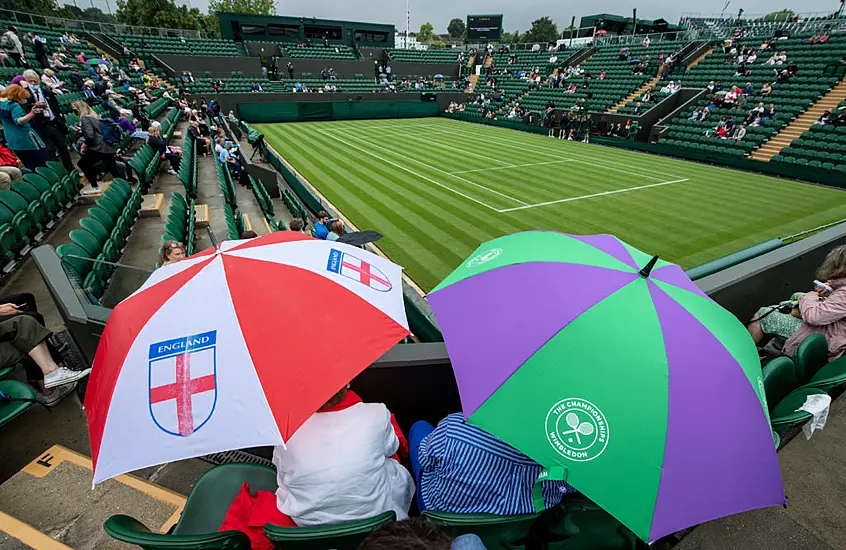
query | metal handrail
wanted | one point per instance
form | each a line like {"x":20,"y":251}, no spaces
{"x":79,"y":25}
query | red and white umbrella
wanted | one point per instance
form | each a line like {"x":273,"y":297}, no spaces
{"x":236,"y":347}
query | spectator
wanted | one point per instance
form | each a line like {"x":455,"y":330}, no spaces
{"x":297,"y":225}
{"x":256,"y":87}
{"x":814,"y":39}
{"x":813,"y":312}
{"x":39,"y":48}
{"x":76,"y":80}
{"x":23,"y":336}
{"x":697,"y":114}
{"x":247,"y":235}
{"x":20,"y":136}
{"x":740,"y":133}
{"x":462,"y":469}
{"x":9,"y":170}
{"x":58,"y":64}
{"x":823,"y":38}
{"x":321,"y":226}
{"x":48,"y":122}
{"x":11,"y":43}
{"x":337,"y":231}
{"x":226,"y":157}
{"x":766,"y":89}
{"x":171,"y":252}
{"x":96,"y":148}
{"x":341,"y":465}
{"x":290,"y":67}
{"x":160,"y":147}
{"x":645,"y":42}
{"x":748,"y":89}
{"x":824,"y":119}
{"x":203,"y":143}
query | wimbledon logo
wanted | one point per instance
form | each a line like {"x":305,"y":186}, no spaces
{"x":484,"y":257}
{"x":577,"y":429}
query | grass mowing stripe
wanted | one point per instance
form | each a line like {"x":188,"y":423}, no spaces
{"x":435,"y":168}
{"x":429,"y":229}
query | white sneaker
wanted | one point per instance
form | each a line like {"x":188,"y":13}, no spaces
{"x":88,"y":190}
{"x":52,"y":397}
{"x":171,"y":171}
{"x":62,"y":376}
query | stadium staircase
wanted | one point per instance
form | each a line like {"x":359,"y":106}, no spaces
{"x":637,"y":93}
{"x":801,"y":124}
{"x":473,"y":79}
{"x":705,"y":54}
{"x":488,"y":61}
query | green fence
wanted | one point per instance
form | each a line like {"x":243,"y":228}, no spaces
{"x":334,"y":110}
{"x":514,"y":125}
{"x":417,"y":310}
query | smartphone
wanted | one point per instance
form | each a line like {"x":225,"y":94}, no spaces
{"x":823,"y":286}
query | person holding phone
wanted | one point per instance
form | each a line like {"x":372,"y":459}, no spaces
{"x":823,"y":310}
{"x":21,"y":138}
{"x":19,"y":304}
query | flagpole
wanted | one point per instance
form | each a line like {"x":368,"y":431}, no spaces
{"x":407,"y":23}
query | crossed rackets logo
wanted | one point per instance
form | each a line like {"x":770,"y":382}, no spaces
{"x":484,"y":257}
{"x":577,"y":429}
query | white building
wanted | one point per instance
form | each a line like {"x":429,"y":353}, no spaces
{"x":410,"y":44}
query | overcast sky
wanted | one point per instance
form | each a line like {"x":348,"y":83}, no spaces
{"x":518,"y":13}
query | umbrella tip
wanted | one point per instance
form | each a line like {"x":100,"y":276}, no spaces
{"x":647,"y":269}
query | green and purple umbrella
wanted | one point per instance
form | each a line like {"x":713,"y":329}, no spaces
{"x":585,"y":353}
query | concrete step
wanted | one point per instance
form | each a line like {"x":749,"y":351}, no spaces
{"x":153,"y":205}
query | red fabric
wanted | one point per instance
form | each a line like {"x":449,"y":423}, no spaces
{"x":351,"y":399}
{"x":249,"y":514}
{"x":7,"y":157}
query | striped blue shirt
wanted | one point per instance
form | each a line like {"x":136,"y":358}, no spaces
{"x":465,"y":470}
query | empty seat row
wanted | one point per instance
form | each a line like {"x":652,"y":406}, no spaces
{"x":181,"y":222}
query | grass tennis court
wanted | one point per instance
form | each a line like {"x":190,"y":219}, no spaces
{"x":436,"y":188}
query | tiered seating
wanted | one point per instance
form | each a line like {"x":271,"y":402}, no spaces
{"x":181,"y":222}
{"x":52,"y":36}
{"x":102,"y":236}
{"x":790,"y":99}
{"x":33,"y":205}
{"x":823,"y":146}
{"x":235,"y":84}
{"x":629,"y":108}
{"x":188,"y":166}
{"x":234,"y":219}
{"x":788,"y":382}
{"x":511,"y":87}
{"x":334,"y":51}
{"x":526,"y":61}
{"x":157,"y":107}
{"x":292,"y":203}
{"x":145,"y":162}
{"x":423,"y":56}
{"x":266,"y":204}
{"x":179,"y":46}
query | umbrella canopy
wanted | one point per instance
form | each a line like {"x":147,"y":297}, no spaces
{"x":583,"y":352}
{"x":359,"y":238}
{"x":93,"y":61}
{"x":236,"y":348}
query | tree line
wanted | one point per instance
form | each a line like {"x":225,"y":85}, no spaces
{"x":543,"y":29}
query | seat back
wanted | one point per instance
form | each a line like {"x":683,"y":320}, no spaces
{"x":132,"y":531}
{"x":15,"y":389}
{"x":339,"y":536}
{"x":495,"y":531}
{"x":86,"y":241}
{"x":810,"y":356}
{"x":214,"y":492}
{"x":779,"y":380}
{"x":103,"y":217}
{"x":95,"y":228}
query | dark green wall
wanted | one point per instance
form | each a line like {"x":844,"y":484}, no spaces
{"x":348,"y":28}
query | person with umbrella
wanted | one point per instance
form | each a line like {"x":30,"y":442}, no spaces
{"x":613,"y":381}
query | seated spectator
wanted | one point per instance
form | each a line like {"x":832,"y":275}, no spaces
{"x":706,"y":114}
{"x":160,"y":147}
{"x":337,"y":231}
{"x":824,"y":119}
{"x":740,"y":132}
{"x":130,"y":125}
{"x":752,"y":58}
{"x":814,"y":39}
{"x":697,"y":114}
{"x":203,"y":143}
{"x":297,"y":225}
{"x":418,"y":534}
{"x":247,"y":235}
{"x":256,"y":87}
{"x":321,"y":226}
{"x":823,"y":38}
{"x":748,"y":89}
{"x":769,"y":112}
{"x":462,"y":469}
{"x":171,"y":252}
{"x":808,"y":313}
{"x":229,"y":160}
{"x":766,"y":89}
{"x":58,"y":64}
{"x":21,"y":336}
{"x":319,"y":485}
{"x":711,"y":87}
{"x":52,"y":81}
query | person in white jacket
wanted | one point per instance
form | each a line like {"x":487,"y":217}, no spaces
{"x":340,"y":465}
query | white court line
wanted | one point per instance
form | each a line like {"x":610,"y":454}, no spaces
{"x":511,"y":166}
{"x":602,"y":194}
{"x":595,"y":161}
{"x":429,"y":166}
{"x":439,"y":184}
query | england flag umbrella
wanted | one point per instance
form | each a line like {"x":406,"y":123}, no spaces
{"x":236,"y":347}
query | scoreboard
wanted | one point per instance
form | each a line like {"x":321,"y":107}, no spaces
{"x":484,"y":27}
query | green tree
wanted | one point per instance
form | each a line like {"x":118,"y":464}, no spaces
{"x":510,"y":37}
{"x":96,"y":14}
{"x":159,"y":13}
{"x":254,"y":7}
{"x":456,"y":28}
{"x":427,"y":31}
{"x":543,"y":30}
{"x":783,"y":15}
{"x":34,"y":7}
